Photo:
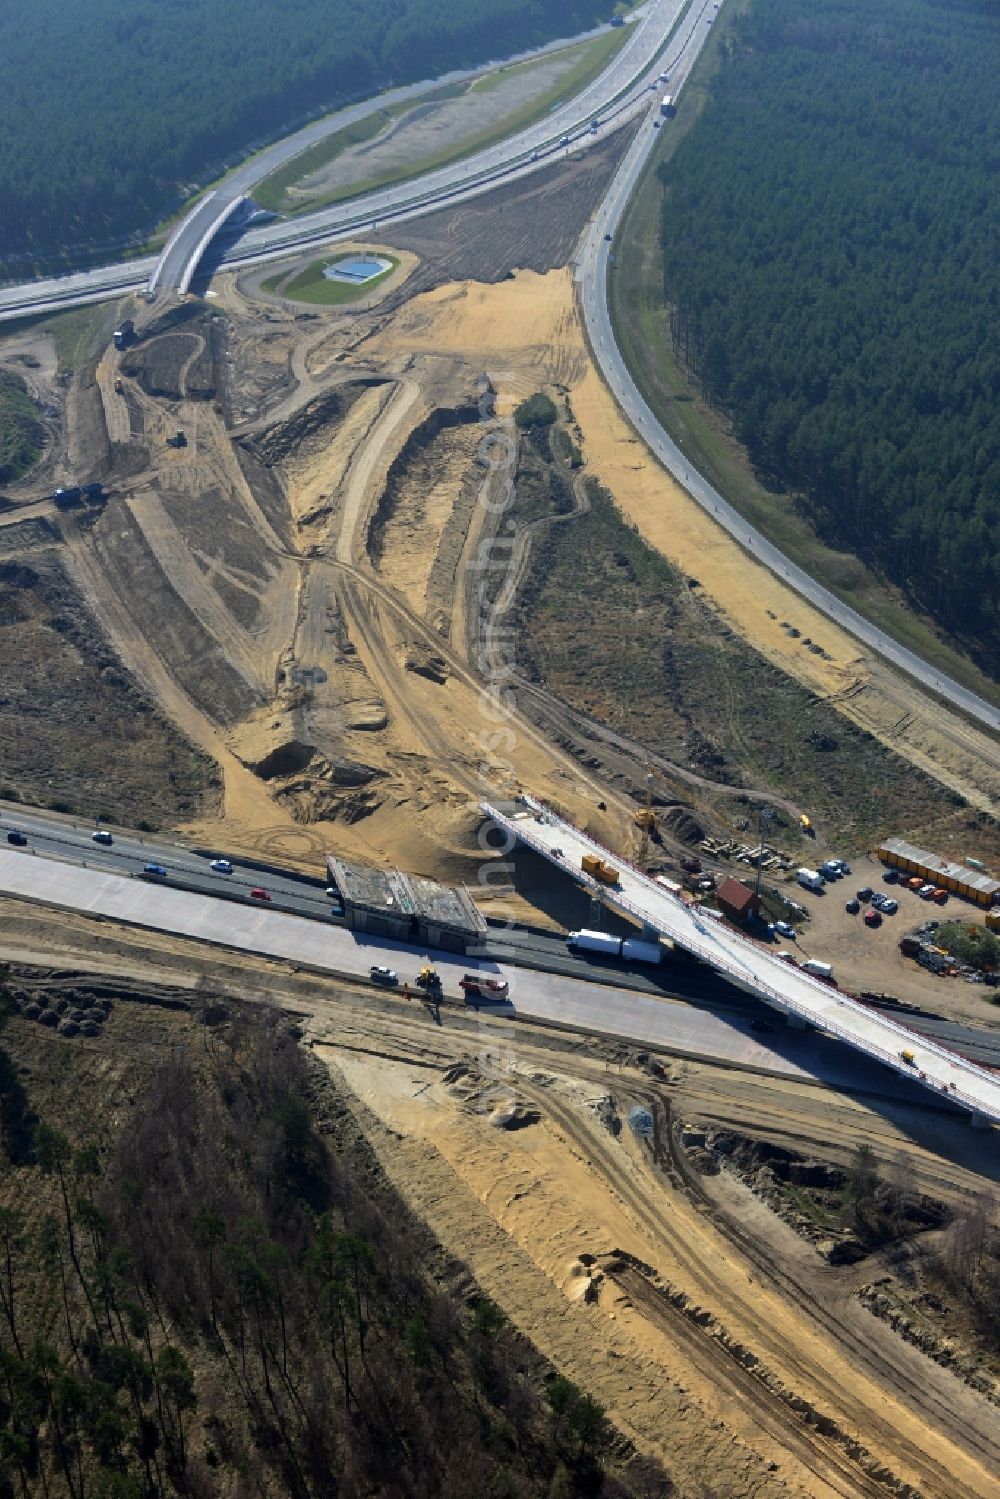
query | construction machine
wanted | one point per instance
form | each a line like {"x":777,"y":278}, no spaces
{"x":429,"y":979}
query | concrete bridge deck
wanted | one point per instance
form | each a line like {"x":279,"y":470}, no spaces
{"x":752,"y":965}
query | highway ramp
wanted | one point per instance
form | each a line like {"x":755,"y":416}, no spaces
{"x":751,"y":965}
{"x":593,"y":260}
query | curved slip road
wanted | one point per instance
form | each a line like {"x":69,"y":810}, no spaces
{"x":593,"y":262}
{"x":479,"y":173}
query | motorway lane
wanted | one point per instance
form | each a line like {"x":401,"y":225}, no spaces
{"x":173,"y":262}
{"x":479,"y":173}
{"x":66,"y":839}
{"x":687,"y":984}
{"x":553,"y":998}
{"x":621,"y":93}
{"x":592,"y":276}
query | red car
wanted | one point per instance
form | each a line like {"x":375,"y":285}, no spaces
{"x":259,"y":893}
{"x":873,"y":918}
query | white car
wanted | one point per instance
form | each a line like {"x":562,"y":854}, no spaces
{"x":221,"y":866}
{"x":102,"y":836}
{"x":379,"y":974}
{"x":784,"y":930}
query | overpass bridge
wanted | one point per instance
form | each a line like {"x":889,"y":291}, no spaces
{"x":184,"y":249}
{"x":751,"y":965}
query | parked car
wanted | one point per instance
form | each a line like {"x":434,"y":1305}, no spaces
{"x":915,"y":883}
{"x":853,"y":907}
{"x":940,"y":896}
{"x":873,"y":918}
{"x":380,"y":974}
{"x":221,"y":866}
{"x":890,"y":876}
{"x":101,"y":835}
{"x":783,"y":929}
{"x":865,"y":893}
{"x":926,"y":892}
{"x":259,"y":893}
{"x":885,"y":904}
{"x":16,"y":837}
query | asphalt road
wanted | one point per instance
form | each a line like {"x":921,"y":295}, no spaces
{"x":611,"y":1011}
{"x":754,"y":965}
{"x":628,"y":74}
{"x":175,"y":260}
{"x":67,"y":841}
{"x":187,"y":867}
{"x":593,"y":265}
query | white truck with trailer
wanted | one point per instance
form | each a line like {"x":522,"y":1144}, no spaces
{"x":629,"y":949}
{"x":810,"y":879}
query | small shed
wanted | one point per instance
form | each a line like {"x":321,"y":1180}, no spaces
{"x":737,"y":901}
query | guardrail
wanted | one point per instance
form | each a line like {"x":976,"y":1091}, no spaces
{"x":194,"y":260}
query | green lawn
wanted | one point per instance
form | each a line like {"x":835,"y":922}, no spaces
{"x":312,"y":286}
{"x":641,"y":321}
{"x":592,"y":58}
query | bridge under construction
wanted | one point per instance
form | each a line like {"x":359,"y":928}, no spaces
{"x":752,"y":966}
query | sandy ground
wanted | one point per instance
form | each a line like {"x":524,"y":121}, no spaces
{"x":717,"y":1339}
{"x":328,"y":673}
{"x":544,"y":1215}
{"x":527,"y":331}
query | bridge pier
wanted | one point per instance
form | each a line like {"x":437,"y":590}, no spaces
{"x":795,"y":1022}
{"x":980,"y":1121}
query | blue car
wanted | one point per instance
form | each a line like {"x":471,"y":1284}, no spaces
{"x":155,"y":871}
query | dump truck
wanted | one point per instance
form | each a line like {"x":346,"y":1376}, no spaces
{"x":607,"y":874}
{"x":119,"y":385}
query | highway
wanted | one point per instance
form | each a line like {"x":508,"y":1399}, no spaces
{"x":690,"y":985}
{"x":594,"y":261}
{"x":70,"y":839}
{"x":751,"y":965}
{"x":613,"y":98}
{"x":559,"y":999}
{"x":626,"y":90}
